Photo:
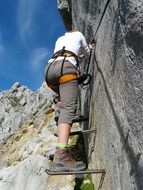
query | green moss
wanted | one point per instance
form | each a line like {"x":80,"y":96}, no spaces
{"x":73,"y":140}
{"x":14,"y":101}
{"x":87,"y":183}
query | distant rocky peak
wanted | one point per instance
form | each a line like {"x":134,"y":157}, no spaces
{"x":19,"y":105}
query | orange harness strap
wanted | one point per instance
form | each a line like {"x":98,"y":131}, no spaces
{"x":67,"y":77}
{"x":63,"y":79}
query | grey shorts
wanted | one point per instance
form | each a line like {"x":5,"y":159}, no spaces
{"x":68,"y":91}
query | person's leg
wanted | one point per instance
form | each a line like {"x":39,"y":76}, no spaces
{"x":65,"y":158}
{"x":63,"y":133}
{"x":69,"y":98}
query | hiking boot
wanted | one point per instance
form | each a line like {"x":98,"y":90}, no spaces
{"x":65,"y":160}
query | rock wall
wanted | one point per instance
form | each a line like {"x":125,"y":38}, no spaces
{"x":114,"y":96}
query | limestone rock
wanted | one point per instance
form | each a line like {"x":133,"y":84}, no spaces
{"x":20,"y":104}
{"x":64,"y":7}
{"x":29,"y":174}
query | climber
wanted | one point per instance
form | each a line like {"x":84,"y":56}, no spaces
{"x":61,"y":76}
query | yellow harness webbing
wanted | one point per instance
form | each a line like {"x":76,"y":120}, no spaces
{"x":63,"y":79}
{"x":67,"y":77}
{"x":65,"y":53}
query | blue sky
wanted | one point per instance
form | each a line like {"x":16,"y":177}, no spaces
{"x":28,"y":31}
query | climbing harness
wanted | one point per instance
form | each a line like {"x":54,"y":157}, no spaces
{"x":64,"y":77}
{"x":65,"y":53}
{"x":83,"y":79}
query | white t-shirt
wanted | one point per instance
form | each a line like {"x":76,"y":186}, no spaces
{"x":74,"y":42}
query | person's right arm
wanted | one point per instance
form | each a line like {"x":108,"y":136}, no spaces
{"x":84,"y":47}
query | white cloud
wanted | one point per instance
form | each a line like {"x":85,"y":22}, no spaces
{"x":39,"y":58}
{"x":26,"y":11}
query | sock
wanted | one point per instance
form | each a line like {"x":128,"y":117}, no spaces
{"x":62,"y":145}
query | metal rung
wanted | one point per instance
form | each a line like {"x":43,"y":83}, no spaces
{"x":83,"y":131}
{"x":80,"y":132}
{"x":89,"y":171}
